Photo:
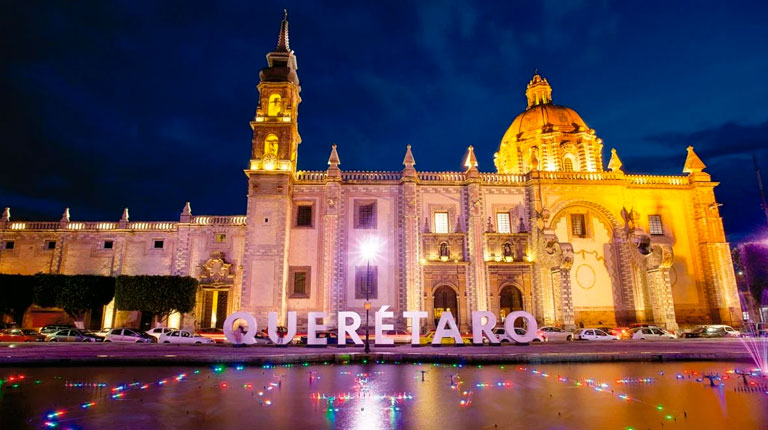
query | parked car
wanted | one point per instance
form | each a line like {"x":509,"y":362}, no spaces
{"x":593,"y":334}
{"x":157,"y":331}
{"x":213,"y":333}
{"x":500,"y":332}
{"x":73,"y":335}
{"x":556,"y":334}
{"x":184,"y":337}
{"x":53,"y":328}
{"x":650,"y":333}
{"x":399,"y":336}
{"x":328,"y":334}
{"x":710,"y":331}
{"x":128,"y":335}
{"x":20,"y":335}
{"x":619,"y":332}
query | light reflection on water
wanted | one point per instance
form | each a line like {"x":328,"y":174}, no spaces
{"x":567,"y":396}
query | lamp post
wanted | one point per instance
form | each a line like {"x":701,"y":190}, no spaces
{"x":367,"y":303}
{"x":369,"y":249}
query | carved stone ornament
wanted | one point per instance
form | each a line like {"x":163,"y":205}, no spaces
{"x":216,"y":271}
{"x":566,"y":258}
{"x":660,"y":257}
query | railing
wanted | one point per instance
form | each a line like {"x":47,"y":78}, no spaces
{"x":152,"y":225}
{"x":502,"y":178}
{"x":310,"y":176}
{"x":355,"y":176}
{"x":441,"y":176}
{"x":219,"y":220}
{"x":657,"y":180}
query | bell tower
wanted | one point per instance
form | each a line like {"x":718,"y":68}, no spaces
{"x":270,"y":184}
{"x":275,"y":127}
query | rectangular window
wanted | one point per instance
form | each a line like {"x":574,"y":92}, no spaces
{"x":108,"y":244}
{"x":221,"y":237}
{"x":159,"y":244}
{"x":10,"y":244}
{"x":365,"y":214}
{"x":441,"y":222}
{"x":366,"y":280}
{"x":299,"y":277}
{"x":502,"y":223}
{"x":304,"y":216}
{"x":654,"y":225}
{"x":578,"y":225}
{"x":50,"y":244}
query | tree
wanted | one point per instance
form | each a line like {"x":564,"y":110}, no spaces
{"x":76,"y":294}
{"x":16,"y":294}
{"x":159,"y":295}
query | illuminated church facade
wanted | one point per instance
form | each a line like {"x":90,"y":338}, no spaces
{"x":554,"y":231}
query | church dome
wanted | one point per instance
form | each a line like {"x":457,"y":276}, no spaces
{"x":541,"y":115}
{"x":547,"y":136}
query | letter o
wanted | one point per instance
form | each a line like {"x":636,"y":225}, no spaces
{"x":249,"y":338}
{"x":509,"y":327}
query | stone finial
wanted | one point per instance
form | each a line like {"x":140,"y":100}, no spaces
{"x":693,"y":163}
{"x":427,"y":227}
{"x":65,"y":215}
{"x":186,"y":213}
{"x":470,"y":161}
{"x":408,"y":163}
{"x":6,"y":215}
{"x":614,"y":165}
{"x":459,"y":224}
{"x":489,"y":227}
{"x":123,"y":223}
{"x":333,"y":164}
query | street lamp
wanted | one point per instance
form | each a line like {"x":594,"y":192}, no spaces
{"x":368,"y":250}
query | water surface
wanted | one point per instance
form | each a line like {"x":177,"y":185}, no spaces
{"x":378,"y":396}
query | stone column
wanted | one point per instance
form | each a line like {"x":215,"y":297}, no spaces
{"x":408,"y":294}
{"x":566,"y":295}
{"x":477,"y":290}
{"x":659,"y":286}
{"x":330,"y":249}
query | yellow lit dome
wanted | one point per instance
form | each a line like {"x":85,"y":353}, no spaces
{"x":542,"y":115}
{"x":547,"y":136}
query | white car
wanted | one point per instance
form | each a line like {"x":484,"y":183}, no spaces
{"x":593,"y":334}
{"x":157,"y":331}
{"x":650,"y":333}
{"x":399,"y":336}
{"x":502,"y":335}
{"x":128,"y":335}
{"x":184,"y":336}
{"x":556,"y":334}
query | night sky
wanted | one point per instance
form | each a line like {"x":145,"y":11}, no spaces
{"x":146,"y":105}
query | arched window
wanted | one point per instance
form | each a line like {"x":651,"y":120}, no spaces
{"x":271,"y":145}
{"x":567,"y":164}
{"x":275,"y":105}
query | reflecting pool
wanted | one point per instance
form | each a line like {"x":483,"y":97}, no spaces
{"x":701,"y":395}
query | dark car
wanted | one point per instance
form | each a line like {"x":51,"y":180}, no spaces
{"x":327,"y":334}
{"x":711,"y":331}
{"x":53,"y":328}
{"x":74,"y":335}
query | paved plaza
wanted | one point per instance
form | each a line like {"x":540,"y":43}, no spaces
{"x":141,"y":354}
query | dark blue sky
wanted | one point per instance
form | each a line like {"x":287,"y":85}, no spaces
{"x":147,"y":104}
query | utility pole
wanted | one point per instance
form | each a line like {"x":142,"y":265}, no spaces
{"x":763,"y":203}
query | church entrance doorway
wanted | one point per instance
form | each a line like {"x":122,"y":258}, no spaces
{"x":445,"y":300}
{"x":510,"y":300}
{"x":214,"y":308}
